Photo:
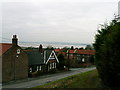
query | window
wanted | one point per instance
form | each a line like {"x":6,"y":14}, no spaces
{"x":83,"y":60}
{"x":30,"y":69}
{"x":50,"y":65}
{"x":18,"y":51}
{"x":53,"y":65}
{"x":78,"y":58}
{"x":52,"y":56}
{"x":78,"y":54}
{"x":40,"y":68}
{"x":37,"y":68}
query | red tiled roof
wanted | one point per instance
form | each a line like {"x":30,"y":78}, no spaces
{"x":63,"y":53}
{"x":71,"y":51}
{"x":90,"y":52}
{"x":57,"y":50}
{"x":4,"y":47}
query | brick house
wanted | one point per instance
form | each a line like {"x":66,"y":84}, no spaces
{"x":14,"y":61}
{"x":42,"y":60}
{"x":77,"y":57}
{"x":80,"y":57}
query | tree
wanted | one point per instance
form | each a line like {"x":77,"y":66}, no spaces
{"x":49,"y":47}
{"x":61,"y":61}
{"x":72,"y":48}
{"x":107,"y":58}
{"x":88,"y":47}
{"x":65,"y":49}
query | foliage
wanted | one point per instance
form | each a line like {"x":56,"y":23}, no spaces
{"x":88,"y":47}
{"x":65,"y":49}
{"x":49,"y":47}
{"x":107,"y":46}
{"x":30,"y":48}
{"x":72,"y":48}
{"x":92,"y":59}
{"x":61,"y":59}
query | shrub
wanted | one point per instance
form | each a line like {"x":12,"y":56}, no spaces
{"x":107,"y":58}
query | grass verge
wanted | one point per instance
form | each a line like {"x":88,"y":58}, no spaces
{"x":88,"y":79}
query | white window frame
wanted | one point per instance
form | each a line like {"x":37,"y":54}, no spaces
{"x":40,"y":68}
{"x":37,"y":68}
{"x":53,"y":65}
{"x":18,"y":51}
{"x":50,"y":66}
{"x":30,"y":69}
{"x":83,"y":59}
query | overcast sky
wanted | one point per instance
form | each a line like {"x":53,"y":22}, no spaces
{"x":56,"y":20}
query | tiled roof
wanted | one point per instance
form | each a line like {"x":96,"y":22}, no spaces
{"x":4,"y":47}
{"x":57,"y":50}
{"x":35,"y":57}
{"x":63,"y":53}
{"x":89,"y":52}
{"x":71,"y":51}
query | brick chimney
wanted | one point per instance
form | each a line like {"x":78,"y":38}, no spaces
{"x":40,"y":48}
{"x":14,"y":40}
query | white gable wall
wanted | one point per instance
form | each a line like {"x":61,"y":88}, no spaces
{"x":51,"y":56}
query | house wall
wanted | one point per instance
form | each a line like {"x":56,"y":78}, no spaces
{"x":51,"y":65}
{"x":0,"y":69}
{"x":13,"y":67}
{"x":76,"y":60}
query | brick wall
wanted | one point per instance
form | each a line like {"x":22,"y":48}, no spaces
{"x":13,"y":67}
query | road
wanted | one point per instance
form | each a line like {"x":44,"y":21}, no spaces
{"x":47,"y":78}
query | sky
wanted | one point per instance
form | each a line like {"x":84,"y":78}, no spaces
{"x":73,"y":21}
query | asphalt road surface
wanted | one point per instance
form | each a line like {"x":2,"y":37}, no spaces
{"x":32,"y":82}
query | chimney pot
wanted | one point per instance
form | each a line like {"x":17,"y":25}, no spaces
{"x":40,"y":48}
{"x":14,"y":40}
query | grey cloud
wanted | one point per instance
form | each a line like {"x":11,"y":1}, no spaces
{"x":57,"y":21}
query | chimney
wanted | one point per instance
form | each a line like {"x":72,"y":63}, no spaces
{"x":40,"y":48}
{"x":14,"y":40}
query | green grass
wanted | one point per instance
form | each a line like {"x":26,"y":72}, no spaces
{"x":83,"y":80}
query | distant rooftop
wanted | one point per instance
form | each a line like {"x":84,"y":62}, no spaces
{"x":4,"y":47}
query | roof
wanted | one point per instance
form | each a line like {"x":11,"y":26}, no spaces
{"x":35,"y":57}
{"x":89,"y":52}
{"x":57,"y":50}
{"x":4,"y":47}
{"x":71,"y":51}
{"x":63,"y":53}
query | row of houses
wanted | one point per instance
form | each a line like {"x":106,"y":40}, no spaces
{"x":77,"y":57}
{"x":19,"y":64}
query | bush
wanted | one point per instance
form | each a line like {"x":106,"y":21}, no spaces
{"x":107,"y":58}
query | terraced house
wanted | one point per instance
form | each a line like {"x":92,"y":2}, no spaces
{"x":80,"y":57}
{"x":77,"y":57}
